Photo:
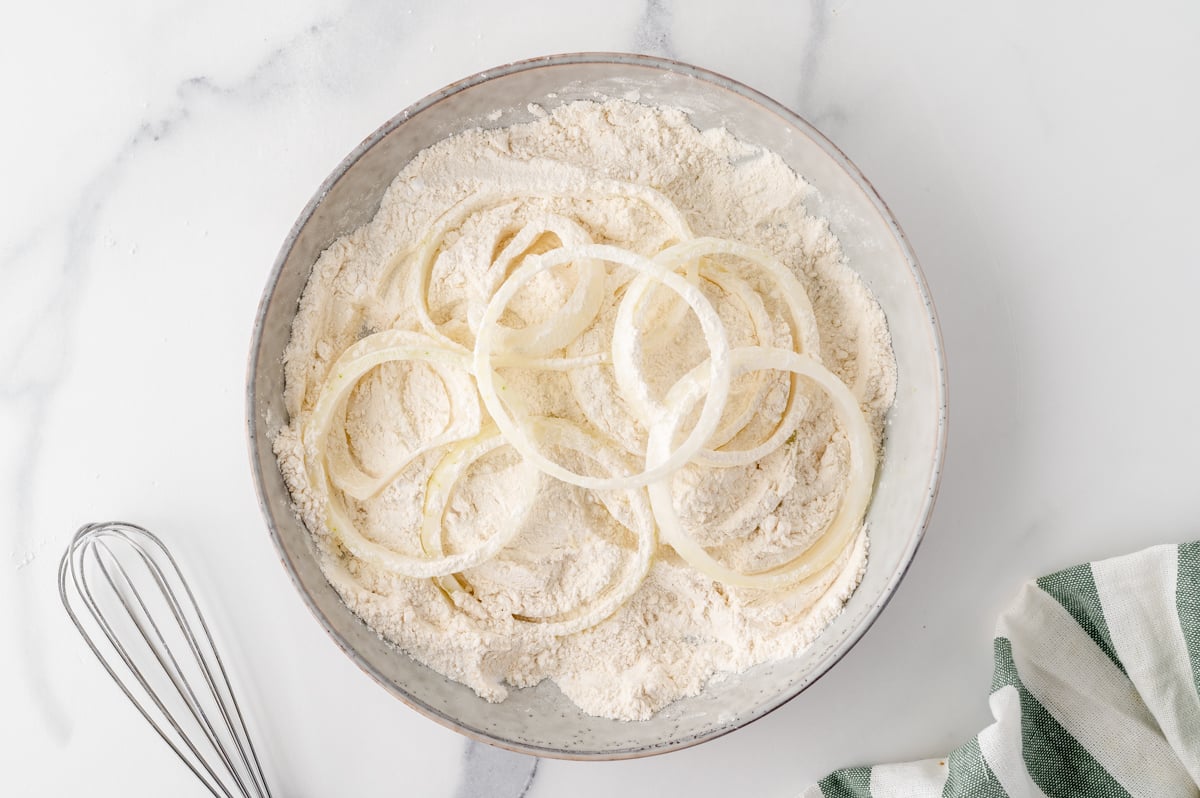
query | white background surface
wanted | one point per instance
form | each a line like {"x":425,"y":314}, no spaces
{"x":1042,"y":158}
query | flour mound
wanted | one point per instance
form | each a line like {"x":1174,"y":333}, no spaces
{"x":680,"y":628}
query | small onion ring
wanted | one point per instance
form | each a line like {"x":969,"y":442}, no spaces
{"x":551,"y":363}
{"x":845,"y":523}
{"x":734,"y":286}
{"x":358,"y":359}
{"x":664,"y":328}
{"x":633,"y":385}
{"x":344,"y":374}
{"x":425,"y":252}
{"x":438,"y":490}
{"x":465,"y":420}
{"x":805,"y":336}
{"x":559,"y":432}
{"x":341,"y":526}
{"x":744,"y":360}
{"x":764,"y":334}
{"x":714,"y":334}
{"x":581,"y":307}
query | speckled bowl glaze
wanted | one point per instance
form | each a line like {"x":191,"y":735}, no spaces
{"x":540,"y":720}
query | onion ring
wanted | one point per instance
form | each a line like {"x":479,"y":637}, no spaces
{"x":552,"y":334}
{"x":446,"y":475}
{"x":425,"y":251}
{"x":344,"y":374}
{"x":714,"y":334}
{"x":763,"y":333}
{"x":845,"y":523}
{"x":567,"y":435}
{"x":805,"y":336}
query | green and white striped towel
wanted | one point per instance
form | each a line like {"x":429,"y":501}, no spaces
{"x":1096,"y":693}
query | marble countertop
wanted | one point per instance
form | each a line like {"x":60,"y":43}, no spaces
{"x":1041,"y":157}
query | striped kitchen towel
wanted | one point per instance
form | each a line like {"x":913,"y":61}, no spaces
{"x":1096,"y":693}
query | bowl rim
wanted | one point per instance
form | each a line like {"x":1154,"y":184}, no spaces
{"x":831,"y":657}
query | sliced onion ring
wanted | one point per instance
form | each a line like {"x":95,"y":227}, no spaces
{"x":344,"y":374}
{"x":748,"y":359}
{"x":665,"y":328}
{"x":425,"y":252}
{"x":764,"y":335}
{"x":805,"y":337}
{"x":342,"y":527}
{"x":845,"y":523}
{"x":350,"y":367}
{"x":580,"y":309}
{"x":633,"y":385}
{"x":552,"y":363}
{"x":630,"y":382}
{"x":513,"y":429}
{"x":558,"y":432}
{"x":465,"y":419}
{"x":440,"y":487}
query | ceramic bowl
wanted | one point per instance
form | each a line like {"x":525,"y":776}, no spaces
{"x":540,"y":720}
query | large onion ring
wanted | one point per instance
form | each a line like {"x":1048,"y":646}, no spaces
{"x":440,"y":487}
{"x":344,"y":374}
{"x":425,"y":252}
{"x":580,"y":309}
{"x":562,"y":433}
{"x":805,"y":336}
{"x":846,"y":522}
{"x":714,"y":335}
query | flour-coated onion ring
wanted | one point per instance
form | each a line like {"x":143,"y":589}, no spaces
{"x":744,"y":360}
{"x":710,"y":323}
{"x":805,"y":336}
{"x":351,"y":366}
{"x":357,"y":360}
{"x":842,"y":528}
{"x":557,"y":432}
{"x":764,"y":335}
{"x":507,"y":361}
{"x":593,"y":403}
{"x":549,"y":335}
{"x":342,"y":527}
{"x":633,"y":385}
{"x":663,"y":329}
{"x":465,"y":419}
{"x":438,"y":490}
{"x":425,"y":252}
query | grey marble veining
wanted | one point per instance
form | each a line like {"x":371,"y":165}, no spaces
{"x":490,"y":772}
{"x":35,"y":362}
{"x":653,"y":33}
{"x":813,"y":47}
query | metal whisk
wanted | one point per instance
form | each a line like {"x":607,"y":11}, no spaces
{"x":159,"y":651}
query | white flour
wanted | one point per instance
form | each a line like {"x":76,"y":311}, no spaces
{"x":680,"y":628}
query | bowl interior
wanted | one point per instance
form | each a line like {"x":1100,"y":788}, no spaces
{"x":540,"y":720}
